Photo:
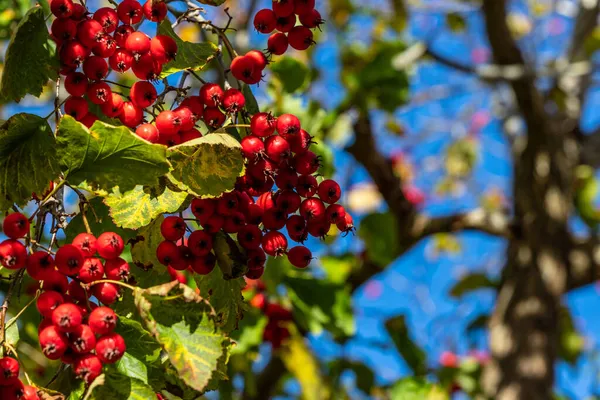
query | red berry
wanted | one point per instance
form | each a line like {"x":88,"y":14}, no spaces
{"x":234,"y":222}
{"x":190,"y":134}
{"x":167,"y":252}
{"x":286,"y":179}
{"x":39,"y":264}
{"x":318,"y":227}
{"x":256,"y":258}
{"x":109,"y":245}
{"x":91,"y":270}
{"x":99,"y":92}
{"x":77,"y":292}
{"x":299,"y":256}
{"x":69,"y":259}
{"x":89,"y":32}
{"x":283,"y":8}
{"x":300,"y":38}
{"x":288,"y":125}
{"x":9,"y":371}
{"x":56,"y":281}
{"x":63,"y":29}
{"x":76,"y":84}
{"x":143,"y":94}
{"x":131,"y":115}
{"x":306,"y":163}
{"x":61,"y":8}
{"x":312,"y":209}
{"x":168,"y":123}
{"x":163,"y":48}
{"x":146,"y":67}
{"x":329,"y":191}
{"x":303,"y":6}
{"x":265,"y":20}
{"x":285,"y":24}
{"x":277,"y":43}
{"x":138,"y":43}
{"x":102,"y":320}
{"x":233,"y":101}
{"x":186,"y":118}
{"x":249,"y":237}
{"x":194,"y":103}
{"x":203,"y":208}
{"x":255,"y":272}
{"x":113,"y":107}
{"x":130,"y":12}
{"x":252,"y":147}
{"x":82,"y":340}
{"x":301,"y":142}
{"x":213,"y":117}
{"x":346,"y":225}
{"x":263,"y":124}
{"x":148,"y":132}
{"x":13,"y":254}
{"x":211,"y":94}
{"x":89,"y":119}
{"x":53,"y":342}
{"x":155,"y":11}
{"x":311,"y":19}
{"x":108,"y":18}
{"x":79,"y":12}
{"x":47,"y":302}
{"x":277,"y":149}
{"x":274,"y":243}
{"x":15,"y":225}
{"x":307,"y":185}
{"x":242,"y":68}
{"x":200,"y":243}
{"x":173,"y":228}
{"x":274,"y":219}
{"x":106,"y":292}
{"x":76,"y":107}
{"x":214,"y":223}
{"x":29,"y":393}
{"x":288,"y":201}
{"x":259,"y":58}
{"x":296,"y":227}
{"x":88,"y":367}
{"x":121,"y":60}
{"x":122,"y":33}
{"x":73,"y":53}
{"x":67,"y":317}
{"x":204,"y":265}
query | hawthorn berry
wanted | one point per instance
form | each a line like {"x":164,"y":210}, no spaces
{"x":285,"y":24}
{"x":200,"y":243}
{"x":307,"y":185}
{"x":256,"y":258}
{"x":53,"y":342}
{"x":173,"y":228}
{"x":249,"y":237}
{"x":88,"y":367}
{"x":131,"y":115}
{"x":9,"y":371}
{"x":67,"y":317}
{"x":148,"y":132}
{"x":109,"y":245}
{"x":76,"y":84}
{"x":190,"y":134}
{"x":263,"y":124}
{"x":143,"y":94}
{"x":122,"y":33}
{"x":102,"y":320}
{"x":121,"y":60}
{"x":303,"y":6}
{"x":300,"y":38}
{"x":277,"y":148}
{"x":113,"y":106}
{"x":301,"y":142}
{"x":346,"y":225}
{"x":82,"y":340}
{"x":213,"y":117}
{"x":91,"y":270}
{"x":15,"y":225}
{"x":211,"y":94}
{"x":274,"y":243}
{"x":306,"y":163}
{"x":138,"y":43}
{"x":163,"y":48}
{"x":283,"y":8}
{"x":56,"y":281}
{"x":204,"y":265}
{"x":329,"y":191}
{"x":99,"y":93}
{"x":108,"y":18}
{"x":265,"y":20}
{"x":39,"y":264}
{"x":106,"y":292}
{"x":312,"y":209}
{"x":13,"y":254}
{"x":61,"y":8}
{"x":311,"y":19}
{"x":288,"y":125}
{"x":86,"y":242}
{"x":168,"y":123}
{"x":186,"y":118}
{"x":242,"y":68}
{"x":130,"y":12}
{"x":233,"y":101}
{"x":155,"y":11}
{"x":69,"y":259}
{"x":89,"y":32}
{"x":63,"y":29}
{"x":76,"y":107}
{"x":277,"y":43}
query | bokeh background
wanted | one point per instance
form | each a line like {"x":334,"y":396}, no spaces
{"x":447,"y":134}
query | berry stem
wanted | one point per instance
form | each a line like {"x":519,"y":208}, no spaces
{"x":195,"y":75}
{"x":56,"y":110}
{"x":126,"y":285}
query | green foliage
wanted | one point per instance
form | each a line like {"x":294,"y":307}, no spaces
{"x":303,"y":365}
{"x":411,"y":352}
{"x":417,"y":389}
{"x":290,"y":72}
{"x":143,"y":252}
{"x":472,"y":282}
{"x":138,"y":207}
{"x":28,"y":160}
{"x":338,"y":268}
{"x":119,"y":386}
{"x":571,"y":342}
{"x":319,"y":305}
{"x":30,"y":59}
{"x":380,"y":234}
{"x":365,"y":377}
{"x":207,"y":166}
{"x":12,"y":13}
{"x":225,"y":296}
{"x":192,"y":56}
{"x":249,"y":334}
{"x":184,"y":325}
{"x":106,"y":156}
{"x":97,"y":215}
{"x":251,"y":104}
{"x":456,"y":22}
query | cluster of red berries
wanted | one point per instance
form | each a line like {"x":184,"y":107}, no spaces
{"x":254,"y":211}
{"x":64,"y":303}
{"x":106,"y":39}
{"x":11,"y":387}
{"x":276,"y":331}
{"x":282,"y":17}
{"x":249,"y":67}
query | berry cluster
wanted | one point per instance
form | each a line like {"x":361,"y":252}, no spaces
{"x":11,"y":387}
{"x":70,"y":320}
{"x":276,"y":331}
{"x":106,"y":39}
{"x":256,"y":212}
{"x":249,"y":67}
{"x":282,"y":17}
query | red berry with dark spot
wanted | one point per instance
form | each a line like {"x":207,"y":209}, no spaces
{"x":13,"y":254}
{"x":63,"y":29}
{"x":108,"y":18}
{"x":255,"y":272}
{"x":173,"y":228}
{"x":203,"y":208}
{"x":259,"y":58}
{"x":265,"y":20}
{"x":76,"y":84}
{"x":306,"y":163}
{"x":113,"y":107}
{"x":76,"y":107}
{"x":211,"y":94}
{"x":9,"y":371}
{"x":131,"y":115}
{"x":73,"y":53}
{"x":143,"y":94}
{"x":233,"y":101}
{"x":283,"y":8}
{"x":312,"y":209}
{"x":69,"y":259}
{"x":61,"y":8}
{"x":256,"y":258}
{"x":67,"y":317}
{"x":277,"y":43}
{"x":53,"y":342}
{"x":204,"y":265}
{"x":130,"y":12}
{"x":186,"y":117}
{"x":148,"y":132}
{"x":286,"y":179}
{"x":300,"y":38}
{"x":263,"y":124}
{"x":56,"y":281}
{"x":311,"y":19}
{"x":303,"y":6}
{"x":163,"y":48}
{"x":167,"y":123}
{"x":89,"y":32}
{"x":109,"y":245}
{"x":88,"y":368}
{"x":346,"y":225}
{"x":299,"y":256}
{"x":121,"y":60}
{"x":288,"y":201}
{"x":122,"y":33}
{"x":39,"y":264}
{"x":252,"y":147}
{"x":99,"y":92}
{"x":47,"y":303}
{"x":155,"y":11}
{"x":110,"y":348}
{"x":288,"y":125}
{"x":82,"y":340}
{"x":301,"y":142}
{"x":307,"y":185}
{"x":106,"y":292}
{"x":249,"y":237}
{"x":285,"y":24}
{"x":15,"y":225}
{"x":213,"y":117}
{"x":138,"y":43}
{"x":29,"y":393}
{"x":200,"y":243}
{"x":277,"y":149}
{"x":102,"y":320}
{"x":329,"y":191}
{"x":274,"y":243}
{"x":91,"y":270}
{"x":242,"y":67}
{"x":167,"y":252}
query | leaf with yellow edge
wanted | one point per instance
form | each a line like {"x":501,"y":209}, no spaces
{"x":207,"y":166}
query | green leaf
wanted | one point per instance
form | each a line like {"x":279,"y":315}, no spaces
{"x":413,"y":355}
{"x":108,"y":156}
{"x":189,"y":55}
{"x":138,"y":207}
{"x":141,"y":345}
{"x":571,"y":342}
{"x":456,"y":22}
{"x":249,"y":335}
{"x":28,"y":159}
{"x":319,"y":305}
{"x":291,"y":73}
{"x":303,"y":365}
{"x":122,"y":387}
{"x":480,"y":322}
{"x":251,"y":104}
{"x":417,"y":389}
{"x":30,"y":59}
{"x":207,"y":166}
{"x":99,"y":220}
{"x":471,"y":283}
{"x":365,"y":377}
{"x":12,"y":334}
{"x":183,"y":323}
{"x":225,"y":296}
{"x":212,"y":2}
{"x":143,"y":254}
{"x":338,"y":268}
{"x":380,"y":234}
{"x":230,"y":257}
